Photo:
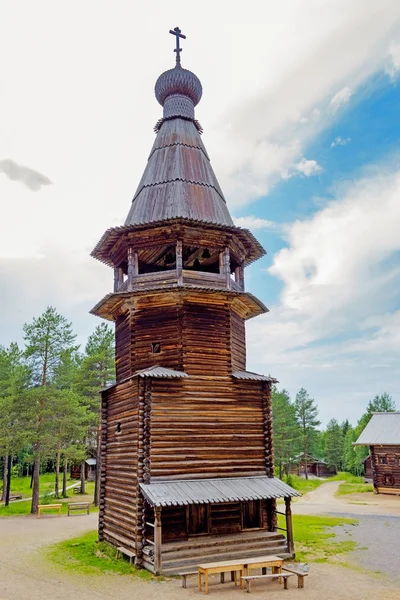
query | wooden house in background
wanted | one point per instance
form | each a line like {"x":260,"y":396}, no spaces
{"x":90,"y":470}
{"x":367,"y":466}
{"x":314,"y":466}
{"x":187,"y":468}
{"x":382,"y":435}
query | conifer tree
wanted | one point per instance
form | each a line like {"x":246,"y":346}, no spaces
{"x":307,"y":417}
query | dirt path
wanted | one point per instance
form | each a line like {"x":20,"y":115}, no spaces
{"x":26,"y":575}
{"x":322,"y":501}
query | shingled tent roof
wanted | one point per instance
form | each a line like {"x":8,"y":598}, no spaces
{"x":179,"y":181}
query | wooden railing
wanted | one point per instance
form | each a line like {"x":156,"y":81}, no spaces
{"x":189,"y":277}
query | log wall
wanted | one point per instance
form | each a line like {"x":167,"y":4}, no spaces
{"x":123,"y":346}
{"x":238,"y":342}
{"x":385,"y":462}
{"x":207,"y":427}
{"x":119,"y":520}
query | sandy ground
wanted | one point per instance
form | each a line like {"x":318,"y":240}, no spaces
{"x":24,"y":574}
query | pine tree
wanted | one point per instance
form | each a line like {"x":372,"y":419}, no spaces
{"x":47,"y":340}
{"x":286,"y":429}
{"x":96,"y":372}
{"x":307,"y":417}
{"x":333,"y":438}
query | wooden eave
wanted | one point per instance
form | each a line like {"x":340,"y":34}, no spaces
{"x":113,"y":305}
{"x":111,"y":246}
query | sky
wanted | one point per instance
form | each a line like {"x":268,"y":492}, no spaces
{"x":301,"y":119}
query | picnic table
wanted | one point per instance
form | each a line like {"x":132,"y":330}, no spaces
{"x":244,"y":565}
{"x":227,"y":566}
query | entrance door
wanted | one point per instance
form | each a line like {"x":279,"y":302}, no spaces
{"x":198,"y":519}
{"x":251,"y":514}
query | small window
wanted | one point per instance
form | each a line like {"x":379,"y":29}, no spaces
{"x":388,"y":479}
{"x":383,"y":459}
{"x":155,"y":347}
{"x":118,"y":428}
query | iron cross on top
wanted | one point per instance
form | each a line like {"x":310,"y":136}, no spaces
{"x":178,"y":34}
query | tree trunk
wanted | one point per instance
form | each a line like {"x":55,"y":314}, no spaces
{"x":96,"y":499}
{"x":3,"y":493}
{"x":8,"y":486}
{"x":65,"y":475}
{"x":57,"y":480}
{"x":35,"y":485}
{"x":31,"y":483}
{"x":305,"y":468}
{"x":83,"y":466}
{"x":280,"y":469}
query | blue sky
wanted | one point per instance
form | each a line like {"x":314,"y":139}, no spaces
{"x":303,"y":133}
{"x":365,"y":133}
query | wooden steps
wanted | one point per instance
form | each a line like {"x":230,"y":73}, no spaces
{"x":178,"y":556}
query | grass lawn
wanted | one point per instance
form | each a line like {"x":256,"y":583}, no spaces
{"x":352,"y":484}
{"x":24,"y":507}
{"x":304,"y":485}
{"x":85,"y":555}
{"x":21,"y":485}
{"x":315,"y":541}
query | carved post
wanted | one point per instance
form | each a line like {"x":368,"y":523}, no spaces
{"x":133,"y":264}
{"x":289,"y":526}
{"x":227,"y":268}
{"x":157,"y":540}
{"x":116,"y":279}
{"x":120,"y":279}
{"x":241,"y":276}
{"x":221,"y":262}
{"x":179,"y":262}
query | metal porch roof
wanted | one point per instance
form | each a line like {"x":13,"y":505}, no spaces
{"x":207,"y":491}
{"x":382,"y":430}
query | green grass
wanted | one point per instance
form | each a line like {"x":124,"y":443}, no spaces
{"x":85,"y":555}
{"x":314,"y":540}
{"x":24,"y":507}
{"x":21,"y":485}
{"x":304,"y":485}
{"x":352,"y":484}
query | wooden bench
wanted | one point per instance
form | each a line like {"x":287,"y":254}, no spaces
{"x":78,"y":506}
{"x":300,"y":575}
{"x":42,"y":507}
{"x":15,"y":497}
{"x":121,"y":550}
{"x":184,"y":575}
{"x":285,"y":576}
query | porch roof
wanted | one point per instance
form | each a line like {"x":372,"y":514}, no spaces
{"x":207,"y":491}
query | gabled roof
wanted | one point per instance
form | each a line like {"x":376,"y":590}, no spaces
{"x":206,"y":491}
{"x":179,"y":181}
{"x":382,"y":430}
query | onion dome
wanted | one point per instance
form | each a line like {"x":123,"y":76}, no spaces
{"x":178,"y":90}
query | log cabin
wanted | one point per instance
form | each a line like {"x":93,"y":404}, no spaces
{"x":315,"y":466}
{"x":187,"y":468}
{"x":382,"y":435}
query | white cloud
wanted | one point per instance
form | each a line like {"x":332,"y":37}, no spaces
{"x":340,"y":98}
{"x":393,"y":65}
{"x":339,"y":141}
{"x":308,"y":167}
{"x":340,"y":283}
{"x":252,"y":222}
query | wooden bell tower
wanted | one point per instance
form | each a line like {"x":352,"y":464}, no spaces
{"x":187,"y":449}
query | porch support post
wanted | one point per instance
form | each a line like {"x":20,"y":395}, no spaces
{"x":179,"y":262}
{"x":132,"y":266}
{"x":157,"y":540}
{"x":289,"y":526}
